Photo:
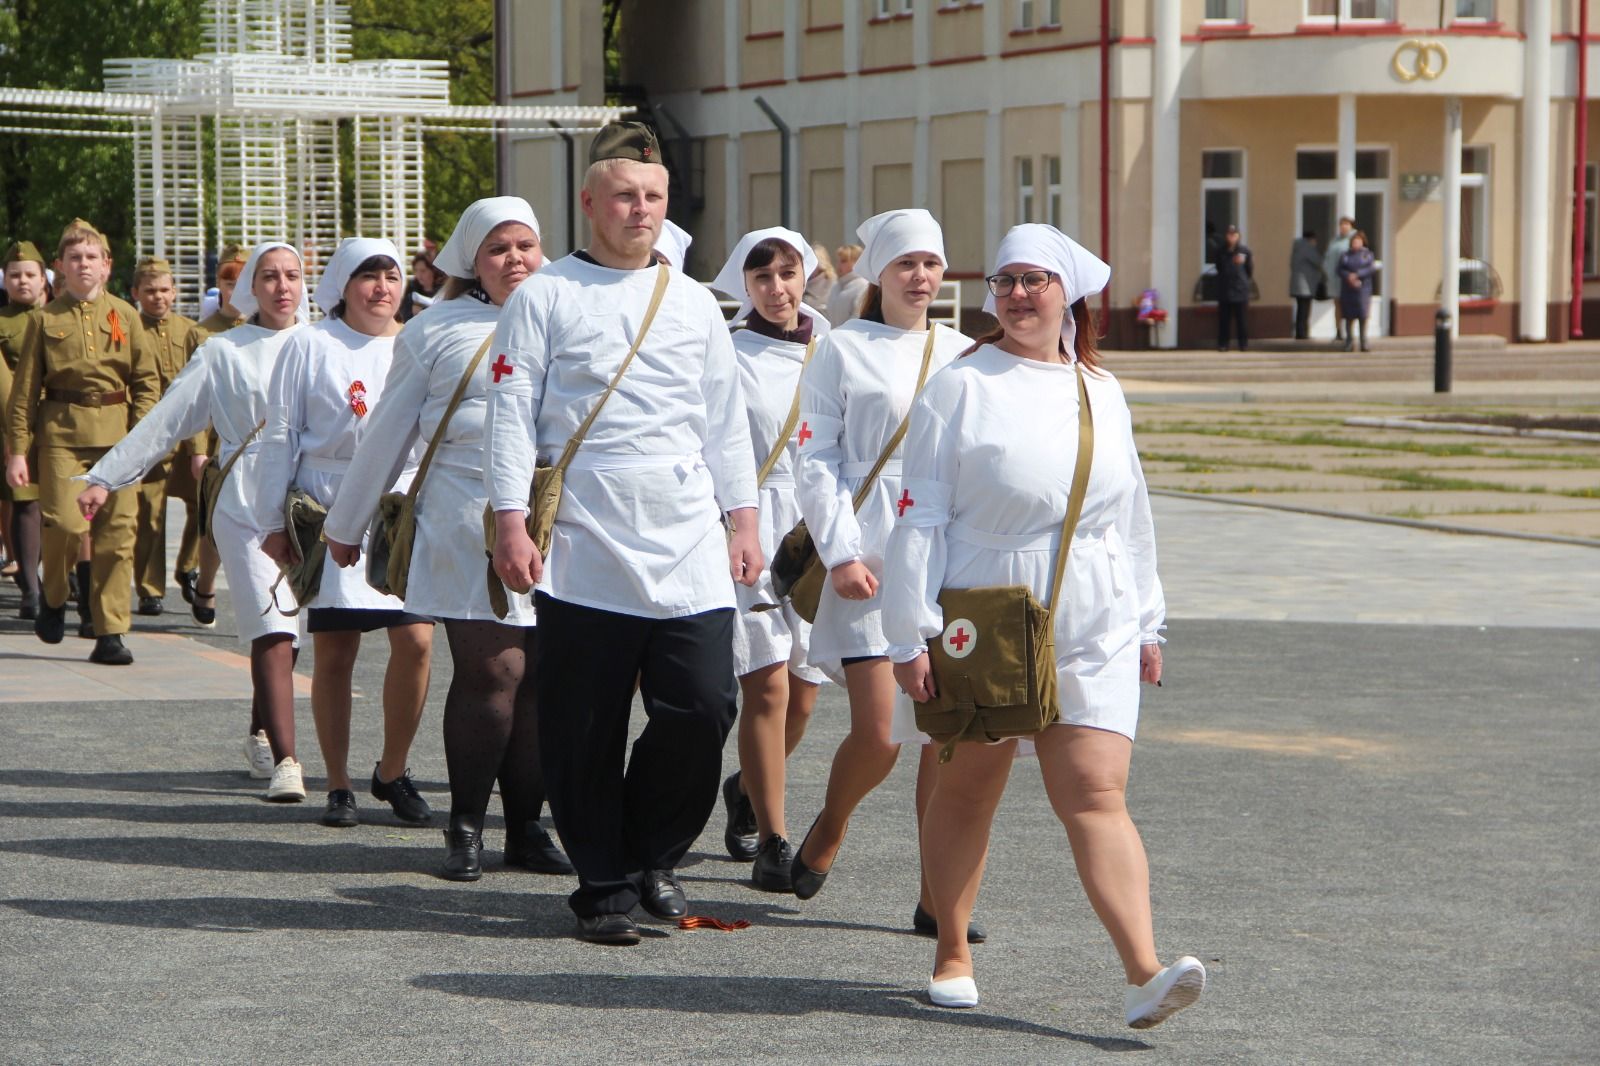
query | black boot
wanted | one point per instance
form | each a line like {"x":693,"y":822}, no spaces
{"x":463,"y":859}
{"x":110,"y":651}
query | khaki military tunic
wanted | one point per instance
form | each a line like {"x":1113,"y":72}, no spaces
{"x":13,"y":322}
{"x":219,"y":321}
{"x":173,"y":339}
{"x":85,"y":374}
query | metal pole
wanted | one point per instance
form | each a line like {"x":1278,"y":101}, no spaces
{"x":1580,"y":203}
{"x":783,"y":158}
{"x":572,"y":194}
{"x":1105,"y":157}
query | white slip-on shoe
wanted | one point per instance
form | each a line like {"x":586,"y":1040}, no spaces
{"x":288,"y":783}
{"x":953,"y":992}
{"x":1165,"y":994}
{"x":259,"y":754}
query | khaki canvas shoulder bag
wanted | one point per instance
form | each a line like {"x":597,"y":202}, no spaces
{"x":994,"y":666}
{"x":548,"y":481}
{"x":210,"y":488}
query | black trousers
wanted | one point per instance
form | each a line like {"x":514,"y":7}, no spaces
{"x":1302,"y":317}
{"x":617,"y":823}
{"x":1231,"y":312}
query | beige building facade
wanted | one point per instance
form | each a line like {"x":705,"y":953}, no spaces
{"x":1449,"y":131}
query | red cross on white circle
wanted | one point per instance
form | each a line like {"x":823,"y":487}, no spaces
{"x":501,"y":368}
{"x":960,"y":638}
{"x":804,"y":435}
{"x":906,"y":502}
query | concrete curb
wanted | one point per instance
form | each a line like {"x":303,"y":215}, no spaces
{"x":1471,"y":427}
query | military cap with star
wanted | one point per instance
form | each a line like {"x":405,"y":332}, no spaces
{"x":626,"y":140}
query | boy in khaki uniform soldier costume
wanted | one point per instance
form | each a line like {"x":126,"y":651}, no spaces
{"x":26,"y":289}
{"x":173,"y":338}
{"x":84,"y":376}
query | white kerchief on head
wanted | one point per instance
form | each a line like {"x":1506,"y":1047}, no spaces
{"x":351,"y":253}
{"x":1082,"y":273}
{"x":244,"y":297}
{"x":887,"y":237}
{"x":673,"y":244}
{"x":480,"y":218}
{"x":730,"y":279}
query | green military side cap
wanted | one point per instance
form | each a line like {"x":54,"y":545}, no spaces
{"x":233,"y":253}
{"x":626,"y":140}
{"x":23,"y":252}
{"x":152,"y":264}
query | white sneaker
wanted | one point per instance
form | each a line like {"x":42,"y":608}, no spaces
{"x":259,"y":754}
{"x":953,"y":992}
{"x":1165,"y":994}
{"x":287,"y":785}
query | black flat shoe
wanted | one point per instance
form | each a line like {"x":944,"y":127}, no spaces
{"x":340,"y":813}
{"x":51,"y":625}
{"x":110,"y":651}
{"x":29,"y":610}
{"x":86,"y":629}
{"x":805,"y":881}
{"x":928,"y":925}
{"x":206,"y":616}
{"x":401,"y":795}
{"x":150,"y":606}
{"x":617,"y":930}
{"x":186,"y":580}
{"x":663,"y":896}
{"x":534,"y":850}
{"x":740,"y":836}
{"x":463,"y":859}
{"x":770,"y":872}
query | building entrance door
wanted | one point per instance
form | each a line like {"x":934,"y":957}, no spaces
{"x":1316,"y":209}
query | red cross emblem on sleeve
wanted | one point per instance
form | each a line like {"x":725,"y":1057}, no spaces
{"x":906,"y":502}
{"x":501,"y":368}
{"x":804,"y":435}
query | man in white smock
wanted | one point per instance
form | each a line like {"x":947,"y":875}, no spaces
{"x":638,"y":585}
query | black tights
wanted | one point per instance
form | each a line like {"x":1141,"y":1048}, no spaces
{"x":272,"y":660}
{"x":25,"y":539}
{"x":491,"y":722}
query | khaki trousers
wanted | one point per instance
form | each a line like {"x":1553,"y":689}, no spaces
{"x":181,"y":484}
{"x":150,"y":539}
{"x":111,"y":566}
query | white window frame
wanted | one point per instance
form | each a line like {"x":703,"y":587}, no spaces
{"x":1025,"y":14}
{"x":1477,"y":20}
{"x":880,"y":10}
{"x":1027,"y":190}
{"x":1480,"y":180}
{"x":1240,"y":185}
{"x":1226,"y":20}
{"x":1052,"y":189}
{"x":907,"y":7}
{"x":1052,"y":15}
{"x":1343,"y":14}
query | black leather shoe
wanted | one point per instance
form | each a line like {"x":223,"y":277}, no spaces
{"x":110,"y":651}
{"x":206,"y":616}
{"x":534,"y":850}
{"x":740,"y":836}
{"x":616,"y":929}
{"x":770,"y":873}
{"x":928,"y":925}
{"x":340,"y":813}
{"x":805,"y":881}
{"x":402,"y":795}
{"x":86,"y":629}
{"x":150,"y":605}
{"x":463,"y":860}
{"x":186,"y":580}
{"x":30,"y":607}
{"x":51,"y":625}
{"x":663,"y":896}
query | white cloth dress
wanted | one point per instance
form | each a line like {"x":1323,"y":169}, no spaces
{"x":856,"y":391}
{"x":449,"y":567}
{"x":769,"y":375}
{"x":989,"y":462}
{"x":323,"y":391}
{"x":224,"y":385}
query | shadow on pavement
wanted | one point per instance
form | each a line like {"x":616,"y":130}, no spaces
{"x":220,"y":782}
{"x":238,"y":855}
{"x":780,"y":996}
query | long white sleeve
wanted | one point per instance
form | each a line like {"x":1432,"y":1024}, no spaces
{"x":384,"y":447}
{"x":1139,"y":532}
{"x":520,"y":359}
{"x":280,"y":436}
{"x":825,"y":502}
{"x":914,"y":563}
{"x":727,"y":452}
{"x":183,"y":410}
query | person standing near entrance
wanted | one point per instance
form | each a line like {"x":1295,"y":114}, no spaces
{"x":1235,"y":270}
{"x":85,"y":375}
{"x":1330,"y":272}
{"x":1356,"y":268}
{"x":639,"y":584}
{"x":1305,"y":278}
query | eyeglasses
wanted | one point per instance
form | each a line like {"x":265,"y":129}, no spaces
{"x":1033,"y":282}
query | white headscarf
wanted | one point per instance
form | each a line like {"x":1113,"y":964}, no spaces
{"x":476,"y":223}
{"x":887,"y":237}
{"x":730,"y":279}
{"x":1082,"y":273}
{"x":351,"y":253}
{"x":244,"y":297}
{"x":673,"y":244}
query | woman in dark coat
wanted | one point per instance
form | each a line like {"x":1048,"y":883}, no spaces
{"x":1356,"y":268}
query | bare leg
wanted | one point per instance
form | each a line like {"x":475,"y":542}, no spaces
{"x":802,"y":701}
{"x":763,"y":706}
{"x":405,"y":691}
{"x":272,"y":676}
{"x":865,"y":757}
{"x":955,"y":844}
{"x":331,"y":676}
{"x":927,"y":777}
{"x":1086,"y":775}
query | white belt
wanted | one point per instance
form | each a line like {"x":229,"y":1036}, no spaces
{"x":324,"y":465}
{"x":592,"y":460}
{"x":464,"y":456}
{"x":853,"y":470}
{"x":778,"y":481}
{"x":1016,"y":542}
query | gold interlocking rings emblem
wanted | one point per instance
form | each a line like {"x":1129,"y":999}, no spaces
{"x":1424,"y":60}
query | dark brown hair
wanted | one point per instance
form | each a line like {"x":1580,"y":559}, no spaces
{"x":772,"y":248}
{"x":372,"y":264}
{"x":1084,"y":346}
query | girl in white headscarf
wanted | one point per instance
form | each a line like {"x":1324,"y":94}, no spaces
{"x":855,"y":394}
{"x":491,"y":720}
{"x":767,"y":272}
{"x":224,"y":386}
{"x":323,"y":389}
{"x":989,"y":462}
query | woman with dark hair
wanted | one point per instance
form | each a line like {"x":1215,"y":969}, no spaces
{"x":491,"y":723}
{"x":988,"y":461}
{"x":1356,"y":267}
{"x":854,"y":398}
{"x":767,"y":272}
{"x":327,"y":380}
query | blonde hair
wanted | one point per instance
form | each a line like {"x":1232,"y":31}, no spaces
{"x":606,"y":166}
{"x":79,"y":232}
{"x":824,"y":263}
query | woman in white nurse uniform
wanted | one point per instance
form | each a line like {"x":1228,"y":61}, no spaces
{"x":989,"y":462}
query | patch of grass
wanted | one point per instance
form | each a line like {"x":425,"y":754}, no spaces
{"x":1417,"y":479}
{"x":1429,"y":512}
{"x":1316,"y":439}
{"x":1238,"y":490}
{"x":1204,"y":464}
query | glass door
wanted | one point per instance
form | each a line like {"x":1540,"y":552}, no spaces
{"x":1316,"y":209}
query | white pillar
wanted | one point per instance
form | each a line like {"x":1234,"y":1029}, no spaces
{"x":733,"y":191}
{"x":1347,"y":155}
{"x":852,"y":181}
{"x":993,"y":186}
{"x":1534,"y":272}
{"x":1165,"y":133}
{"x":158,"y":170}
{"x":1450,"y":288}
{"x":1071,"y":153}
{"x":791,"y":42}
{"x":922,"y":147}
{"x":921,"y":163}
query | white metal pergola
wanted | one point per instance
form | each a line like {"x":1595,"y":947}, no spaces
{"x":273,"y":86}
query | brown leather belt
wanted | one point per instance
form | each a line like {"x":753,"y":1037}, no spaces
{"x":86,"y":399}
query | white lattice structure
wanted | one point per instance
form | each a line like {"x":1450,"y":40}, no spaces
{"x":251,"y":129}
